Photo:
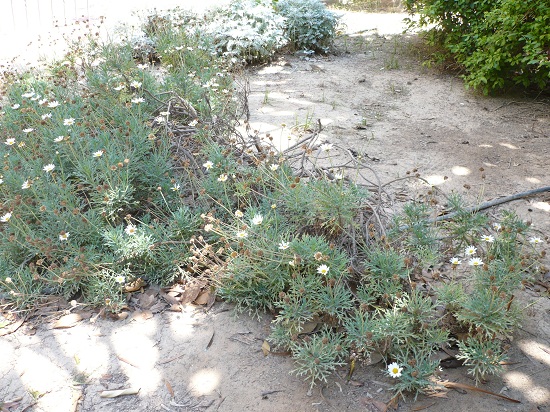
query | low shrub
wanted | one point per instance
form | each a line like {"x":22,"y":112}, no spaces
{"x":246,"y":29}
{"x":308,"y":24}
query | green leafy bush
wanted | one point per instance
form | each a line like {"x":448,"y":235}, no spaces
{"x":499,"y":43}
{"x":309,"y":25}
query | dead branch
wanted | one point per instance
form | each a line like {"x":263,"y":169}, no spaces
{"x":496,"y":202}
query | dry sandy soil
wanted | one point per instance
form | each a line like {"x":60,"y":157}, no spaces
{"x":374,"y":97}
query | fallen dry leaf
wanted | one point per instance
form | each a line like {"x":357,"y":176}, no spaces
{"x":374,"y":404}
{"x":266,"y":348}
{"x":146,"y":299}
{"x":122,"y":315}
{"x":142,"y":316}
{"x":211,"y":299}
{"x":119,"y":392}
{"x":135,"y":285}
{"x":422,"y":407}
{"x":158,"y":307}
{"x":67,"y":321}
{"x":174,"y":289}
{"x":438,"y":395}
{"x":308,"y":327}
{"x":456,"y":385}
{"x":172,"y":300}
{"x":374,"y":358}
{"x":12,"y":328}
{"x":169,"y":387}
{"x":171,"y":359}
{"x":175,"y":308}
{"x":203,"y":298}
{"x":192,"y":290}
{"x":122,"y":359}
{"x":210,"y":341}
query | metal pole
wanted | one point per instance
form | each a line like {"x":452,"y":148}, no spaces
{"x":26,"y":15}
{"x":12,"y":15}
{"x":39,"y":15}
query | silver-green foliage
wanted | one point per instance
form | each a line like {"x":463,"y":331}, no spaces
{"x":309,"y":25}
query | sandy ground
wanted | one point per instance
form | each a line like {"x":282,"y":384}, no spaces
{"x":375,"y":98}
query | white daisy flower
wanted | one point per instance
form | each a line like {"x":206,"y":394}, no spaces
{"x":120,"y":279}
{"x":274,"y":166}
{"x":27,"y":95}
{"x":455,"y":261}
{"x":138,"y":100}
{"x":488,"y":238}
{"x":535,"y":241}
{"x":99,"y":153}
{"x":497,"y":226}
{"x":176,"y":188}
{"x":470,"y":250}
{"x":130,"y":230}
{"x":239,"y":214}
{"x":53,"y":104}
{"x":241,"y":234}
{"x":208,"y":165}
{"x":59,"y":139}
{"x":323,"y":269}
{"x":46,"y":116}
{"x":119,"y":87}
{"x":135,"y":84}
{"x":16,"y":106}
{"x":257,"y":220}
{"x":222,"y":178}
{"x":284,"y":245}
{"x":475,"y":262}
{"x":395,"y":370}
{"x":6,"y":218}
{"x":68,"y":122}
{"x":48,"y":168}
{"x":63,"y":236}
{"x":10,"y":141}
{"x":26,"y":184}
{"x":28,"y":130}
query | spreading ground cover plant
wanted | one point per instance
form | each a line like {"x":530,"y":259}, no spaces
{"x":117,"y":167}
{"x":498,"y":43}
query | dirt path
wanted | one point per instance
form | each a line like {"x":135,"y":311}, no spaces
{"x":373,"y":97}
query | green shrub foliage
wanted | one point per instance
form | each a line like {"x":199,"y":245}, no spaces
{"x":309,"y":25}
{"x":499,"y":43}
{"x":122,"y":162}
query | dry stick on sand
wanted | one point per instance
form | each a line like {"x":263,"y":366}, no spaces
{"x":496,"y":202}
